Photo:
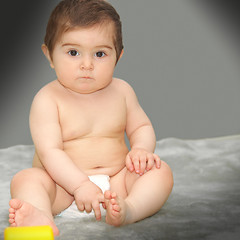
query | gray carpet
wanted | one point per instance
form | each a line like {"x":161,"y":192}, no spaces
{"x":204,"y":204}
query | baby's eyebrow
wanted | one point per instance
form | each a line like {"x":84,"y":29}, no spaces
{"x":104,"y":46}
{"x":70,"y":44}
{"x":77,"y":45}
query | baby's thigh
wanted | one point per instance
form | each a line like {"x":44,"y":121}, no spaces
{"x":32,"y":178}
{"x":62,"y":200}
{"x":117,"y":183}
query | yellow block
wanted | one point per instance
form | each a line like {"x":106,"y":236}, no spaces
{"x":27,"y":233}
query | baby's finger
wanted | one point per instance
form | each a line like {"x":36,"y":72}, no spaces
{"x":88,"y":207}
{"x":136,"y":164}
{"x":157,"y":160}
{"x":80,"y":206}
{"x":142,"y":165}
{"x":129,"y":164}
{"x":150,"y":162}
{"x":97,"y":211}
{"x":101,"y":198}
{"x":104,"y":205}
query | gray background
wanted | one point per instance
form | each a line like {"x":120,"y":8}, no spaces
{"x":181,"y":57}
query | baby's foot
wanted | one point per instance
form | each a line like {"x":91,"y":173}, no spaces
{"x":117,"y":209}
{"x":24,"y":214}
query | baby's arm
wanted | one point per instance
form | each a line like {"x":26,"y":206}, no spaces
{"x":141,"y":136}
{"x":47,"y":137}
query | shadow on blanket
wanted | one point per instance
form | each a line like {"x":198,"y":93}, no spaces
{"x":204,"y":204}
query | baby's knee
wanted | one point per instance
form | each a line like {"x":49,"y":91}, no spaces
{"x":165,"y":174}
{"x":28,"y":176}
{"x":20,"y":176}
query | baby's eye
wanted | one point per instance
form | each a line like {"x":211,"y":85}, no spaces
{"x":100,"y":54}
{"x":73,"y":53}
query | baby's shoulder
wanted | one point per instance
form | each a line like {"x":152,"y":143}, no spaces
{"x":125,"y":88}
{"x":122,"y":85}
{"x":46,"y":92}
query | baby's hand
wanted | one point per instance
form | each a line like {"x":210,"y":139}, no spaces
{"x":89,"y":196}
{"x":140,"y":160}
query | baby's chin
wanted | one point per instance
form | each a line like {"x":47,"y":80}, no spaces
{"x":84,"y":88}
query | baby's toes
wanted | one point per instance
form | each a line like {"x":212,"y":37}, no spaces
{"x":107,"y":198}
{"x":114,"y":195}
{"x":107,"y":195}
{"x":11,"y":220}
{"x":11,"y":210}
{"x":116,"y":208}
{"x":113,"y":201}
{"x":11,"y":216}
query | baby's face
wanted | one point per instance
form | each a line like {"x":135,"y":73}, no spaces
{"x":84,"y":58}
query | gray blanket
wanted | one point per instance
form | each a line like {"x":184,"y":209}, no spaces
{"x":204,"y":204}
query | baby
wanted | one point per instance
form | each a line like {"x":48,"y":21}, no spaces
{"x":78,"y":123}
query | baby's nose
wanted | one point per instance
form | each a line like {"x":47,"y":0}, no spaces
{"x":86,"y":64}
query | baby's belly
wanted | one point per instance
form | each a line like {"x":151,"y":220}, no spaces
{"x":97,"y":155}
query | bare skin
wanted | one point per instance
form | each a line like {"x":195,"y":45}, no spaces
{"x":117,"y":209}
{"x":24,"y":214}
{"x":77,"y":124}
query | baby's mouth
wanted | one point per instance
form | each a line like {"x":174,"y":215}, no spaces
{"x":86,"y":77}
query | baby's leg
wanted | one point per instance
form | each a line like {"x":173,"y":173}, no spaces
{"x":146,"y":196}
{"x":33,"y":194}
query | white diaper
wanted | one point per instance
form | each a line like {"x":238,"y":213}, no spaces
{"x":102,"y":181}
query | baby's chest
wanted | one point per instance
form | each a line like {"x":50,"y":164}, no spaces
{"x":80,"y":119}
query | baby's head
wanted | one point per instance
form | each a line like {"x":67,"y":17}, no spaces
{"x":71,"y":14}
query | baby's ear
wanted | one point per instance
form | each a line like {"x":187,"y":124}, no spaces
{"x":121,"y":54}
{"x":47,"y":54}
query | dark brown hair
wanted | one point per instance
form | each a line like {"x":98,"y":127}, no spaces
{"x":69,"y":14}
